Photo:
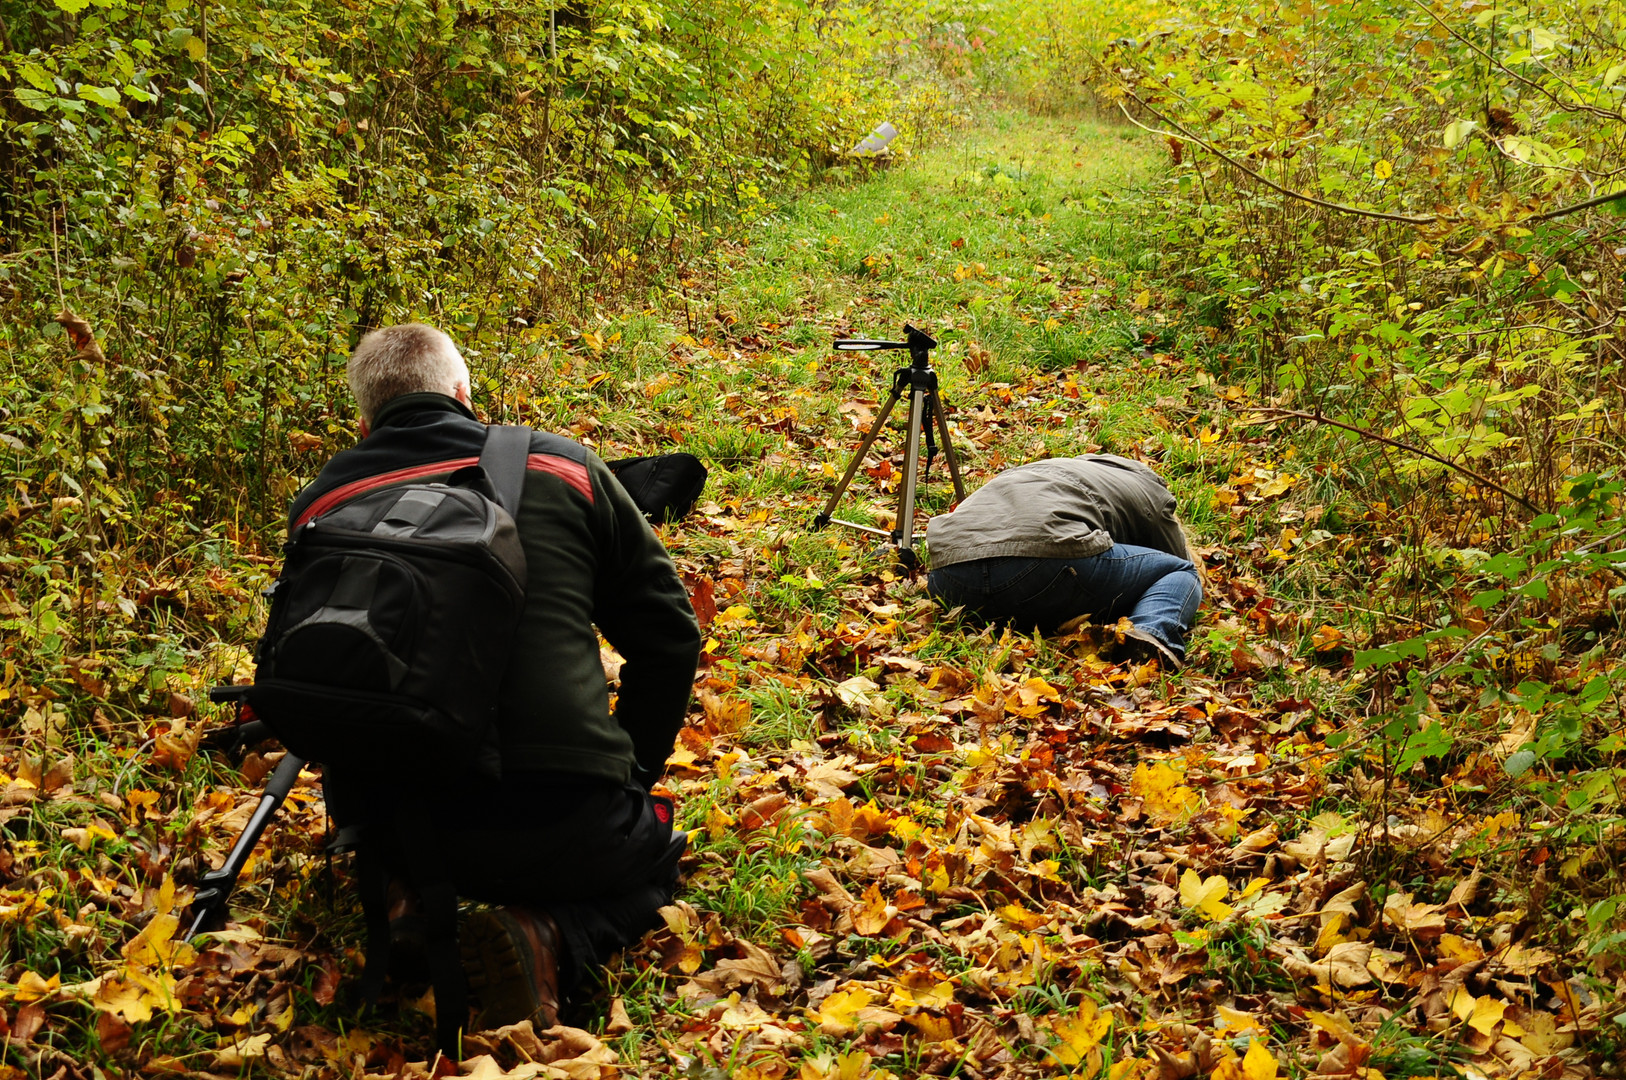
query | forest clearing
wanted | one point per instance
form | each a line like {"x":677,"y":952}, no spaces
{"x":1347,"y":274}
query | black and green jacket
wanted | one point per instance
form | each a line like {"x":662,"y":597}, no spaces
{"x":591,"y":558}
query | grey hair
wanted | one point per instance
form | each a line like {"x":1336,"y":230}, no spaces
{"x":408,"y":359}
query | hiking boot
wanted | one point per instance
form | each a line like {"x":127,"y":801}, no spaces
{"x":511,"y":960}
{"x":1140,"y":646}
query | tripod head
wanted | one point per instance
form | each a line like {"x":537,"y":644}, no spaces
{"x":918,"y":342}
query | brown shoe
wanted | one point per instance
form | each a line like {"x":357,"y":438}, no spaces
{"x":511,"y":960}
{"x":1140,"y":646}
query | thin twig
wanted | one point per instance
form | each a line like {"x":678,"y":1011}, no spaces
{"x":1574,"y":207}
{"x":1554,"y":98}
{"x":56,"y":262}
{"x":1380,"y":215}
{"x":1404,"y":219}
{"x":1321,"y":418}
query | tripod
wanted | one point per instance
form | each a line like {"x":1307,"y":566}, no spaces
{"x":926,"y":415}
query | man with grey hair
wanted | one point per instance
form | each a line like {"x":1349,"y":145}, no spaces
{"x":406,"y":359}
{"x":570,"y":845}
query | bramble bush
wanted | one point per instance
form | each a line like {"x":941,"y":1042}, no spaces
{"x":220,"y":198}
{"x":1402,"y":220}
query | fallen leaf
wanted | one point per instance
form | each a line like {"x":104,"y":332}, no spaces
{"x":1206,"y":898}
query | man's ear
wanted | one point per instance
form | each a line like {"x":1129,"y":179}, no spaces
{"x":365,"y":430}
{"x":461,"y":393}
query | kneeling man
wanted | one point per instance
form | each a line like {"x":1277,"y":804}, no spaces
{"x":1045,"y":543}
{"x":569,"y":844}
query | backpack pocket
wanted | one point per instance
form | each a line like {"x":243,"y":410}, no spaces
{"x":357,"y":625}
{"x":321,"y":723}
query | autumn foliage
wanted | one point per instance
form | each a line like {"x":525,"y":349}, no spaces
{"x":1347,"y":272}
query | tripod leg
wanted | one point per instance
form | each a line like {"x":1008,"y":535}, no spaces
{"x":858,"y":458}
{"x":948,"y":447}
{"x":210,"y":900}
{"x":906,"y":499}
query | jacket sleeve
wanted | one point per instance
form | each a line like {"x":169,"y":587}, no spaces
{"x":1166,"y":534}
{"x":1148,"y":512}
{"x":642,"y":609}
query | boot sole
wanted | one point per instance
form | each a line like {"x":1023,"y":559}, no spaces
{"x":497,"y":963}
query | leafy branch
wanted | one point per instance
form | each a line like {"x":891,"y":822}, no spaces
{"x":1366,"y":433}
{"x":1343,"y":208}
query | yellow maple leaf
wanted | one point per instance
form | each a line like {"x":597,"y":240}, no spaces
{"x":931,"y":1028}
{"x":1257,"y":1063}
{"x":1080,"y":1035}
{"x":828,"y":1066}
{"x":848,"y":1011}
{"x":1163,"y":797}
{"x":1335,"y":1024}
{"x":922,"y":989}
{"x":871,"y":914}
{"x":738,"y":615}
{"x":1232,"y":1022}
{"x":1020,"y":917}
{"x":1206,"y":898}
{"x":689,"y":959}
{"x":235,"y":1053}
{"x":124,"y":998}
{"x":32,"y":986}
{"x":1461,"y":949}
{"x":166,"y":896}
{"x":1481,"y":1013}
{"x":838,"y":1013}
{"x":1276,"y":485}
{"x":156,"y":948}
{"x":1031,"y":699}
{"x":1327,"y":639}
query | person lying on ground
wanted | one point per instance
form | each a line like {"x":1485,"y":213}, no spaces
{"x":1045,"y":543}
{"x":570,"y":843}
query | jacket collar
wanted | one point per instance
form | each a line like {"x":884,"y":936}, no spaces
{"x":396,"y":410}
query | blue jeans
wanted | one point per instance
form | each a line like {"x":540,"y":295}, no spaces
{"x":1158,"y":591}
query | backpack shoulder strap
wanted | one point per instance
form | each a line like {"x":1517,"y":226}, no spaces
{"x":503,"y":459}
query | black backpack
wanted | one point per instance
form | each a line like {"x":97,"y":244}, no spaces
{"x":390,"y":629}
{"x":664,"y":486}
{"x":393,"y":618}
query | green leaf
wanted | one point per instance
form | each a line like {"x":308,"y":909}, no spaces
{"x":195,"y":49}
{"x":37,"y":78}
{"x":30,"y":98}
{"x":72,"y":7}
{"x":1536,"y":590}
{"x":1518,"y":764}
{"x":100,"y":95}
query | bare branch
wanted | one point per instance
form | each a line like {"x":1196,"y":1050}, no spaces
{"x":1404,"y":219}
{"x":1573,"y":207}
{"x":1554,"y":98}
{"x":1366,"y":433}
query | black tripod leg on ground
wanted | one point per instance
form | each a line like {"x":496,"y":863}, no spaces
{"x":214,"y":888}
{"x":905,"y":533}
{"x":941,"y":415}
{"x":858,"y":457}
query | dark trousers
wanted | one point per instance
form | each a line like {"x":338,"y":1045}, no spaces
{"x":599,"y":857}
{"x":1159,"y":592}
